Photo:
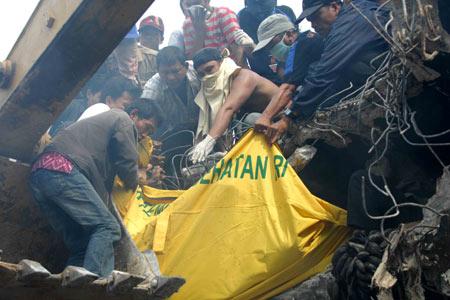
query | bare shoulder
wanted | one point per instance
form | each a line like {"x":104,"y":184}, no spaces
{"x":264,"y":83}
{"x":247,"y":76}
{"x":242,"y":77}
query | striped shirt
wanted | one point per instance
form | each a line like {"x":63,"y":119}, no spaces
{"x":220,"y":30}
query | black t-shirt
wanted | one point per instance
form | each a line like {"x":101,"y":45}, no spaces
{"x":250,"y":23}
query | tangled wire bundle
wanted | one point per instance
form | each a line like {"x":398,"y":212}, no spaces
{"x":355,"y":262}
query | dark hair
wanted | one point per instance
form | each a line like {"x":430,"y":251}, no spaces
{"x":116,"y":86}
{"x":169,"y":56}
{"x":206,"y":55}
{"x":146,"y":109}
{"x":94,"y":84}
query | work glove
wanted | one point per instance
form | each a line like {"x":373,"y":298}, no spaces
{"x":243,"y":39}
{"x":202,"y":149}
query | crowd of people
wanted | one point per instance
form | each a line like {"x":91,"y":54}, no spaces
{"x":219,"y":67}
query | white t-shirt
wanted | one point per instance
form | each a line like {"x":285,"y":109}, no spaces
{"x":94,"y":110}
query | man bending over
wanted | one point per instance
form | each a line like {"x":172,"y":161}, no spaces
{"x":72,"y":179}
{"x":225,"y":90}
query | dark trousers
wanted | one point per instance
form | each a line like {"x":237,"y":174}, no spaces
{"x":80,"y":216}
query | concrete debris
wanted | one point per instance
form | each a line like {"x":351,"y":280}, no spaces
{"x":317,"y":288}
{"x":417,"y":258}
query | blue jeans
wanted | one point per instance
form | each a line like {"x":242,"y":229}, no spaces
{"x":77,"y":212}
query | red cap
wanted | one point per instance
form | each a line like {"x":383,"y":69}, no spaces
{"x":153,"y":21}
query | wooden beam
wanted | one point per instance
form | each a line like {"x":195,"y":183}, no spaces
{"x":63,"y":44}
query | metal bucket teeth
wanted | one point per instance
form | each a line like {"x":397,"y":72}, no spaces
{"x":122,"y":282}
{"x":165,"y":287}
{"x":31,"y":271}
{"x":77,"y":277}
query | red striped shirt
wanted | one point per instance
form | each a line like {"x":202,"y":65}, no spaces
{"x":220,"y":29}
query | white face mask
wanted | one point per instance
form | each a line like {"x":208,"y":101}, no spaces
{"x":280,"y":51}
{"x":210,"y":80}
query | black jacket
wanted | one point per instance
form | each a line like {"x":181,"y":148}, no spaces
{"x":101,"y":147}
{"x":352,"y":42}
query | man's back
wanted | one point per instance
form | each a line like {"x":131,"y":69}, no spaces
{"x":101,"y":147}
{"x":263,"y":92}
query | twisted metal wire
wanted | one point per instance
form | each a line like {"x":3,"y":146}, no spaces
{"x":398,"y":116}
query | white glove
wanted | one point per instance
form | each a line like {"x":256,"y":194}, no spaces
{"x":243,"y":39}
{"x":201,"y":151}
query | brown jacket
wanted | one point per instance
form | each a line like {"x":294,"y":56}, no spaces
{"x":101,"y":147}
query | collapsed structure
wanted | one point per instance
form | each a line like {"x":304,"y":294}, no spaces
{"x":401,"y":110}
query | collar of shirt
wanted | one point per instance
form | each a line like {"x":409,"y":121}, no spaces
{"x":146,"y":50}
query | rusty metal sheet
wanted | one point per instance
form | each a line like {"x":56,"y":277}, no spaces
{"x":54,"y":59}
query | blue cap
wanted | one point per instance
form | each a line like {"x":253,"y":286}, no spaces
{"x":133,"y":34}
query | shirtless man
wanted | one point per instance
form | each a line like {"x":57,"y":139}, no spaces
{"x":226,"y":89}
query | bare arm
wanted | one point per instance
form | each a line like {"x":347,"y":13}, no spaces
{"x":242,"y":88}
{"x":194,"y":32}
{"x":238,"y":53}
{"x":199,"y":40}
{"x":280,"y":101}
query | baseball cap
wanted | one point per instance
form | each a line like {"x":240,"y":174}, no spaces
{"x":152,"y":21}
{"x":311,"y":6}
{"x":270,"y":27}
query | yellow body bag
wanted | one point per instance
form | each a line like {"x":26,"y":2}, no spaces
{"x":136,"y":207}
{"x":249,"y":229}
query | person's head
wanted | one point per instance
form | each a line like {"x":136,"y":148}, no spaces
{"x":261,"y":9}
{"x":118,"y":92}
{"x":172,"y":66}
{"x":197,"y":10}
{"x":321,"y":14}
{"x":92,"y":89}
{"x":126,"y":54}
{"x":277,"y":34}
{"x":151,"y":32}
{"x":207,"y":61}
{"x":146,"y":116}
{"x":204,"y":3}
{"x":129,"y":43}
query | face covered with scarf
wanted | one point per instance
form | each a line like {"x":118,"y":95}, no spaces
{"x":216,"y":71}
